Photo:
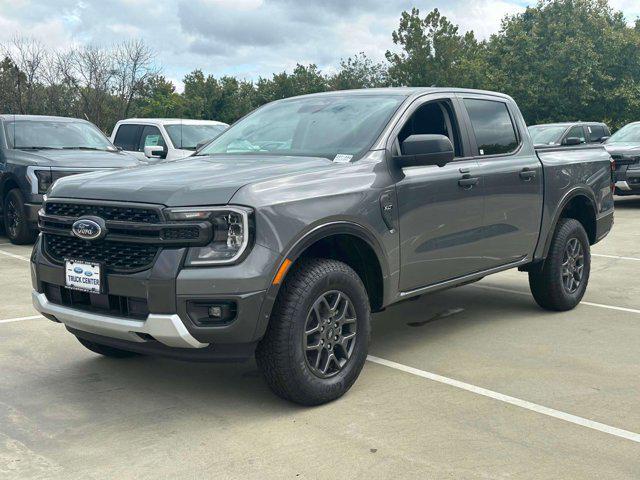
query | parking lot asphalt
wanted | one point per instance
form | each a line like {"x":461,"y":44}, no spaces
{"x":474,"y":382}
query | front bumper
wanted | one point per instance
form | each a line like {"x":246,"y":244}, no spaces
{"x":627,"y":181}
{"x":166,"y":329}
{"x":167,"y":289}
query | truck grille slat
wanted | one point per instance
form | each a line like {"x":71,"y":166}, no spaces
{"x":107,"y":212}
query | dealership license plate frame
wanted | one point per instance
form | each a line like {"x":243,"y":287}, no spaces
{"x":96,"y":269}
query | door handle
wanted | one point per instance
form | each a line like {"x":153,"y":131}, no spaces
{"x":527,"y":174}
{"x":467,"y":181}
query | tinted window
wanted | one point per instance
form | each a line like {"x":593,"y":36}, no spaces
{"x":151,"y":137}
{"x":492,"y":126}
{"x":576,"y":132}
{"x":596,"y":133}
{"x":127,"y":137}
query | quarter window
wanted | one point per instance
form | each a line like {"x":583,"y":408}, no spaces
{"x":492,"y":126}
{"x":127,"y":137}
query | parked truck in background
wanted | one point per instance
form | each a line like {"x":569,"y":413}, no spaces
{"x":164,"y":138}
{"x":37,"y":150}
{"x":569,"y":134}
{"x":624,"y":147}
{"x":282,"y":235}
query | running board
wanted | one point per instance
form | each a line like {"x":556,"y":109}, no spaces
{"x":459,"y":281}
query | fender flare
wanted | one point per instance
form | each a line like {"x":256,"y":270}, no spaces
{"x":302,"y":243}
{"x":579,"y":191}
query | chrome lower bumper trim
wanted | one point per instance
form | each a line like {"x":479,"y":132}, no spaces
{"x":623,"y":185}
{"x":167,"y":329}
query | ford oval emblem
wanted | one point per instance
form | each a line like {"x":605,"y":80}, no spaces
{"x":77,"y":270}
{"x":88,"y":229}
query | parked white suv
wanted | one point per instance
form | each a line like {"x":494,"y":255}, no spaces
{"x":169,"y":138}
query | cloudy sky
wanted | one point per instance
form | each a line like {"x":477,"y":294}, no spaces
{"x":246,"y":38}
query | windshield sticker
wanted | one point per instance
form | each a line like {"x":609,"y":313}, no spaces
{"x":342,"y":158}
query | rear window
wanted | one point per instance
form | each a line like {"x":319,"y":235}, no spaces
{"x":127,"y":137}
{"x":492,"y":125}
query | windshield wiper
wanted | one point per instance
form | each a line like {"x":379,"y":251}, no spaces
{"x":37,"y":148}
{"x":87,"y":148}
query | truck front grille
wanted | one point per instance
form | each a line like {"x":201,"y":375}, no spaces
{"x":107,"y":212}
{"x":116,"y":256}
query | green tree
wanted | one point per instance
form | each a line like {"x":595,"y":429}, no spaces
{"x":359,"y":71}
{"x":568,"y":60}
{"x":433,"y":52}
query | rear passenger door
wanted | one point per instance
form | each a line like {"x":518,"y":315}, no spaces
{"x":512,"y":177}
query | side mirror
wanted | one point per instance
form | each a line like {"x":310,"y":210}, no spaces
{"x":155,"y":151}
{"x":572,"y":141}
{"x":201,"y":144}
{"x":422,"y":150}
{"x":604,"y":139}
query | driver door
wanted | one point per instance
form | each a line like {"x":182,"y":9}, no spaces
{"x":440,"y":218}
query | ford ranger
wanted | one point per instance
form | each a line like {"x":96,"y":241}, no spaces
{"x":281,"y":236}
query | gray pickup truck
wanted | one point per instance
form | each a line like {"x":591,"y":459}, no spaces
{"x":281,"y":236}
{"x":37,"y":150}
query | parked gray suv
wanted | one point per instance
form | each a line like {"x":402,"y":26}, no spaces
{"x":283,"y":234}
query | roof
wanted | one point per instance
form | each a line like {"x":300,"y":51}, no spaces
{"x":46,"y":118}
{"x":404,"y":91}
{"x":566,"y":124}
{"x":169,"y":121}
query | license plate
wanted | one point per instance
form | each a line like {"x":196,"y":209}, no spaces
{"x":83,"y":276}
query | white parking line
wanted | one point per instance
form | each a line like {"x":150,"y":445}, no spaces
{"x":616,"y":257}
{"x":591,"y":304}
{"x":567,"y":417}
{"x":21,"y":319}
{"x":13,"y":255}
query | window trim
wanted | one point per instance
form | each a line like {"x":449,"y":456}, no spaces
{"x":473,"y":142}
{"x":416,"y":103}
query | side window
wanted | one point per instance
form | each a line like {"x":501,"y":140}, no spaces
{"x":151,"y":137}
{"x":435,"y":118}
{"x":492,"y":125}
{"x":127,"y":137}
{"x":576,"y":132}
{"x":596,"y":132}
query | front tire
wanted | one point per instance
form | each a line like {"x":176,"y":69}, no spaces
{"x":106,"y":350}
{"x":16,"y":223}
{"x":562,"y":281}
{"x":318,"y":337}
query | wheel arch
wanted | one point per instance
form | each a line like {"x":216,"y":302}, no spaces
{"x":580,"y":205}
{"x":346,"y":241}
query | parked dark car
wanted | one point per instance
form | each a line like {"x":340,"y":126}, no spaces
{"x":569,"y":133}
{"x":624,"y":147}
{"x":282,"y":235}
{"x":35,"y":151}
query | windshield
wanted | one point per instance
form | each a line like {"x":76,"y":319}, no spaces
{"x":546,"y":134}
{"x":628,"y":134}
{"x":323,"y":126}
{"x":51,"y":134}
{"x":187,"y":137}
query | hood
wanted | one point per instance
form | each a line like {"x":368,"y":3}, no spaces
{"x":193,"y":181}
{"x":629,"y":148}
{"x":74,"y":158}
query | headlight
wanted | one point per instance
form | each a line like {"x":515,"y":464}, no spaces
{"x":46,"y":178}
{"x":231,"y":233}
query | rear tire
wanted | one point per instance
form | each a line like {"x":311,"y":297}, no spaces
{"x":562,"y":281}
{"x":105,"y":350}
{"x":318,"y":337}
{"x":16,"y":222}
